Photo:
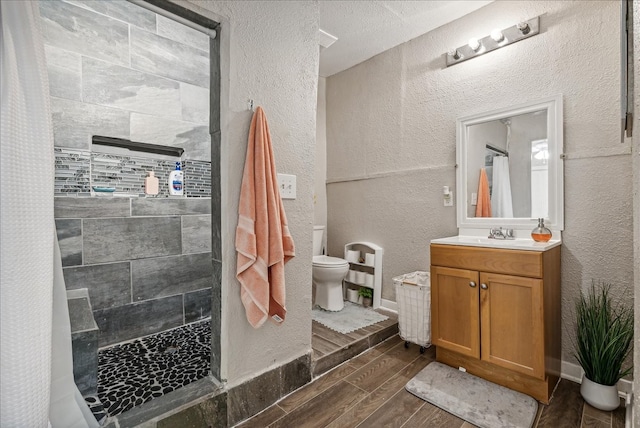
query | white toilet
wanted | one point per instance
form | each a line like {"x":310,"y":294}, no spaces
{"x":328,"y":273}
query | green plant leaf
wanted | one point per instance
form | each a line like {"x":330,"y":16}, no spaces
{"x":604,"y":335}
{"x":365,"y":292}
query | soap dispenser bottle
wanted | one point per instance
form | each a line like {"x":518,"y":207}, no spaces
{"x":541,"y":233}
{"x":176,"y":181}
{"x":151,"y":184}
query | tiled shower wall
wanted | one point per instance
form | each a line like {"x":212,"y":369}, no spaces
{"x":146,"y":262}
{"x":118,"y":70}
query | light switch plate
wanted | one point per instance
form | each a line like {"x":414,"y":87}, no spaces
{"x":448,"y":199}
{"x":287,"y":186}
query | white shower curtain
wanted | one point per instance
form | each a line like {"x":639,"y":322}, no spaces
{"x":501,"y":203}
{"x":29,"y":351}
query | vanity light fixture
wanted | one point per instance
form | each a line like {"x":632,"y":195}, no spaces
{"x":454,"y":53}
{"x":497,"y":35}
{"x":474,"y":44}
{"x":497,"y":39}
{"x":523,"y":27}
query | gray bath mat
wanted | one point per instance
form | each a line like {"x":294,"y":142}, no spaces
{"x":473,"y":399}
{"x":352,"y":317}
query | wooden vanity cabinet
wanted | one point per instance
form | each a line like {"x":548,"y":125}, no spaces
{"x":496,"y":313}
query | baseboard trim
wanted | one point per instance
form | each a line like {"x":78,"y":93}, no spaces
{"x":573,"y":372}
{"x":389,"y":305}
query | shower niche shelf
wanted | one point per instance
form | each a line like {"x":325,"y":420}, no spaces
{"x":367,"y":251}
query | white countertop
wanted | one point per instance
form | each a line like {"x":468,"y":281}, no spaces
{"x":527,"y":244}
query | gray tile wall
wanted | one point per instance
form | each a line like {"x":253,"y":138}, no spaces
{"x":146,"y":263}
{"x":115,"y":239}
{"x":166,"y":276}
{"x":121,"y":10}
{"x":70,"y":241}
{"x":138,"y":319}
{"x":118,"y":70}
{"x":81,"y":31}
{"x":122,"y":36}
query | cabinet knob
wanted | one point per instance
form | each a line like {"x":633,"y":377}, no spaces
{"x":472,"y":284}
{"x":484,"y":286}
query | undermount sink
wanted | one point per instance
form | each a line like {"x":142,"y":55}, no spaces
{"x":514,"y":244}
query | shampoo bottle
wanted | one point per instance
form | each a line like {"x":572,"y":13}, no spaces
{"x":151,"y":184}
{"x":176,"y":182}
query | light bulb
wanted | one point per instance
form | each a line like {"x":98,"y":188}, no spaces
{"x":454,"y":53}
{"x":523,"y":27}
{"x":497,"y":35}
{"x":474,"y":44}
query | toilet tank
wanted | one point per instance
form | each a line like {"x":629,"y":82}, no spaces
{"x":318,"y":231}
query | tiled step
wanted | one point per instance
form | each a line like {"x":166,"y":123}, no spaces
{"x":84,"y":340}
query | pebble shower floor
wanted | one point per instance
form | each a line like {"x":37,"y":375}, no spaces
{"x":133,"y":373}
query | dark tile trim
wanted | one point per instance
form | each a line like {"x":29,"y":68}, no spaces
{"x":216,"y":318}
{"x":255,"y":395}
{"x":216,"y":200}
{"x":185,"y":13}
{"x":171,"y":403}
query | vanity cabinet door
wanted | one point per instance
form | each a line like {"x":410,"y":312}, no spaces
{"x":455,"y":310}
{"x":512,"y":323}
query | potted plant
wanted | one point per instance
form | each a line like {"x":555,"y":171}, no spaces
{"x":604,"y":335}
{"x":367,"y":295}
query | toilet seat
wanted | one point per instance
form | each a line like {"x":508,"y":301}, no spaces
{"x":329,"y":262}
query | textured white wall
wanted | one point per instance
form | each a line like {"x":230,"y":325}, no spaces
{"x":320,"y":193}
{"x":269,"y":53}
{"x":391,"y":131}
{"x":636,"y":210}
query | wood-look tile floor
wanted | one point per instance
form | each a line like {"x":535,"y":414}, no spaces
{"x":368,"y":391}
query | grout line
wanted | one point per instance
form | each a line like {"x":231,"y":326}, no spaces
{"x":356,"y":386}
{"x":413,"y":414}
{"x":538,"y":415}
{"x":368,"y":394}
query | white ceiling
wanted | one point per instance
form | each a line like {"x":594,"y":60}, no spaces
{"x":365,"y":28}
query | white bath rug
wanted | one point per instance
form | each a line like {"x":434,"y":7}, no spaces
{"x":473,"y":399}
{"x":352,"y":317}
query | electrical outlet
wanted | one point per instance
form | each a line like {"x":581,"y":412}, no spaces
{"x":287,"y":186}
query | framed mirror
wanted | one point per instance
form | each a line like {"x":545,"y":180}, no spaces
{"x":510,"y":167}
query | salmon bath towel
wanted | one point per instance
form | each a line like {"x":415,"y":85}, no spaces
{"x":483,"y":209}
{"x":263,"y":241}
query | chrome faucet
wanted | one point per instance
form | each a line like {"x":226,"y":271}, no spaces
{"x":500,"y":233}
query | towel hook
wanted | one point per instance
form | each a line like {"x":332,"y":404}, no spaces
{"x":251,"y":105}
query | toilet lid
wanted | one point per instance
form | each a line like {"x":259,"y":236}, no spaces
{"x":329,"y":261}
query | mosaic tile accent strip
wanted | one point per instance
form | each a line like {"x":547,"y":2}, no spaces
{"x":197,"y":179}
{"x":133,"y":373}
{"x":71,"y":171}
{"x":77,"y":170}
{"x":127,"y":173}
